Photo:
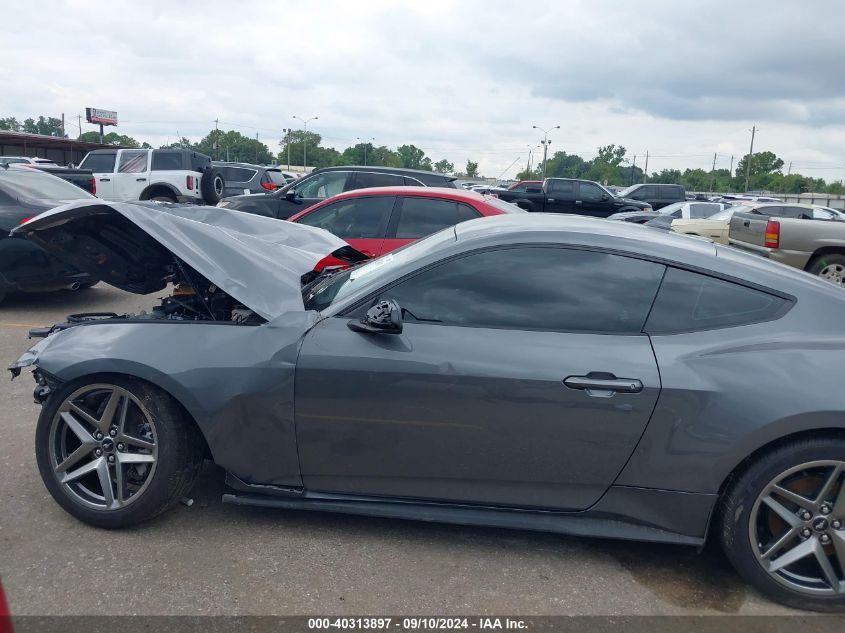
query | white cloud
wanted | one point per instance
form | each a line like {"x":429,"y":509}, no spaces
{"x":460,"y":79}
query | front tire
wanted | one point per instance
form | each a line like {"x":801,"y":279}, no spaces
{"x":116,"y":451}
{"x":782,"y":524}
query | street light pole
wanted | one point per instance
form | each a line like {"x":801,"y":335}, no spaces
{"x":305,"y":138}
{"x":545,"y":143}
{"x":750,"y":157}
{"x":364,"y":142}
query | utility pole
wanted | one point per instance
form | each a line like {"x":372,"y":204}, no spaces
{"x":256,"y":148}
{"x":79,"y":123}
{"x":63,"y":125}
{"x":731,"y":170}
{"x":633,"y":168}
{"x":216,"y":141}
{"x":713,"y":173}
{"x":789,"y":170}
{"x":305,"y":138}
{"x":545,"y":143}
{"x":645,"y":169}
{"x":365,"y":142}
{"x":750,"y":154}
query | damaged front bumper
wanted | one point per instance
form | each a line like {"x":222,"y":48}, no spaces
{"x":45,"y":383}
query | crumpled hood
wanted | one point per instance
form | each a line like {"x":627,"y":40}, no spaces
{"x":258,"y":261}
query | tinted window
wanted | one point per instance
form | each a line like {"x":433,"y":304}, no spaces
{"x":590,"y":192}
{"x":643,"y":193}
{"x":419,"y":217}
{"x":166,"y":161}
{"x":670,"y":193}
{"x":540,"y":288}
{"x":237,"y":174}
{"x":133,"y":162}
{"x":276,"y":177}
{"x":413,"y":182}
{"x":323,"y":185}
{"x":99,"y":163}
{"x":354,"y":218}
{"x":365,"y":180}
{"x":562,"y":187}
{"x":689,"y":301}
{"x":698,"y":210}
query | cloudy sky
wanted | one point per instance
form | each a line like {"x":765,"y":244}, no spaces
{"x":460,"y":79}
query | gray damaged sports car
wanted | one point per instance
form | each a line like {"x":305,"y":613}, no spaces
{"x":528,"y":371}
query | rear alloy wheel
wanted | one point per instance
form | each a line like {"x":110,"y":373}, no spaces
{"x":115,"y":453}
{"x":783,"y":527}
{"x":830,"y":268}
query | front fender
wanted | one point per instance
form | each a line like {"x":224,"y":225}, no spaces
{"x":235,"y":381}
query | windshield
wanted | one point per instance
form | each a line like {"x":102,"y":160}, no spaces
{"x":671,"y":208}
{"x":372,"y":273}
{"x":29,"y":184}
{"x":627,"y":191}
{"x":727,"y":212}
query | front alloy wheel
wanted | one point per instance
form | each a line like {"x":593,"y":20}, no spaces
{"x":115,"y":451}
{"x":102,"y":446}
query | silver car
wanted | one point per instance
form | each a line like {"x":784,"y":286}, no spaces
{"x":544,"y":372}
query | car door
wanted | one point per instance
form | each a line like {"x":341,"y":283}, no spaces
{"x":560,"y":196}
{"x":361,"y":221}
{"x":132,"y":175}
{"x":417,"y":217}
{"x":520,"y":379}
{"x":102,"y":164}
{"x":593,"y":200}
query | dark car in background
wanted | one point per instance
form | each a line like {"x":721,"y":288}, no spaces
{"x":245,"y":179}
{"x":24,"y":266}
{"x":571,"y":195}
{"x":325,"y":183}
{"x":655,"y":195}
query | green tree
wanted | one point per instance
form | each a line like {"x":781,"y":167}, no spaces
{"x":413,"y":157}
{"x":444,"y":167}
{"x":299,"y":139}
{"x":11,"y":124}
{"x":181,"y":143}
{"x":563,"y":165}
{"x":112,"y":138}
{"x":605,"y":167}
{"x":234,"y":146}
{"x":49,"y":126}
{"x":761,"y":166}
{"x":472,"y":169}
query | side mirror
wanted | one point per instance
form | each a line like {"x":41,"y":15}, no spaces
{"x":384,"y":317}
{"x":290,"y":194}
{"x":605,"y":197}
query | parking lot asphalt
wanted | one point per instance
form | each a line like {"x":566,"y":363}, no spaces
{"x":212,"y":558}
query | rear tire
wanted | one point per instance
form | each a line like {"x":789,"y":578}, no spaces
{"x":146,"y":458}
{"x":829,"y":267}
{"x":212,"y":186}
{"x":789,"y":502}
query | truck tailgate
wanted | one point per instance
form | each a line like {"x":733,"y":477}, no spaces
{"x":749,"y":228}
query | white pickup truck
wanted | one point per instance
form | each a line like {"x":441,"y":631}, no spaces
{"x":166,"y":175}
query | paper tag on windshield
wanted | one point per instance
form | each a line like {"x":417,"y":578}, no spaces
{"x":366,"y":269}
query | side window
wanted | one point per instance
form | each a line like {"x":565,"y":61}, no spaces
{"x":677,"y":213}
{"x":237,"y":174}
{"x":323,"y":185}
{"x":689,"y":301}
{"x":533,"y":189}
{"x":164,"y":160}
{"x":359,"y":218}
{"x":419,"y":217}
{"x":562,"y":188}
{"x":643,"y":193}
{"x":99,"y":163}
{"x":412,"y":182}
{"x":132,"y":162}
{"x":520,"y":188}
{"x":670,"y":192}
{"x":565,"y":291}
{"x":698,"y":210}
{"x":590,"y":192}
{"x":365,"y":180}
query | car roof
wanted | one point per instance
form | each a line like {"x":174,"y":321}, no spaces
{"x":387,"y":170}
{"x":420,"y":192}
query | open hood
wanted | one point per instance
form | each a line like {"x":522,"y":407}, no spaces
{"x":135,"y":246}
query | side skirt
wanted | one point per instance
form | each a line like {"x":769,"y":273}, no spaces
{"x":594,"y":523}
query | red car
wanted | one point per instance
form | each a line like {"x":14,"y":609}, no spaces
{"x":379,"y":220}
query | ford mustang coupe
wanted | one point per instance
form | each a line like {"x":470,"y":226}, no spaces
{"x":529,"y":371}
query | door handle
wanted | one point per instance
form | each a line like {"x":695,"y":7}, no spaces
{"x":105,"y":179}
{"x":746,"y":223}
{"x":550,"y":199}
{"x":140,"y":180}
{"x":603,"y":385}
{"x":577,"y":202}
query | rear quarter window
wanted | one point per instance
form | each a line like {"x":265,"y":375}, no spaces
{"x":688,"y":301}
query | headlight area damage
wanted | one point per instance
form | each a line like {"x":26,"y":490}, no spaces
{"x":222,"y":265}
